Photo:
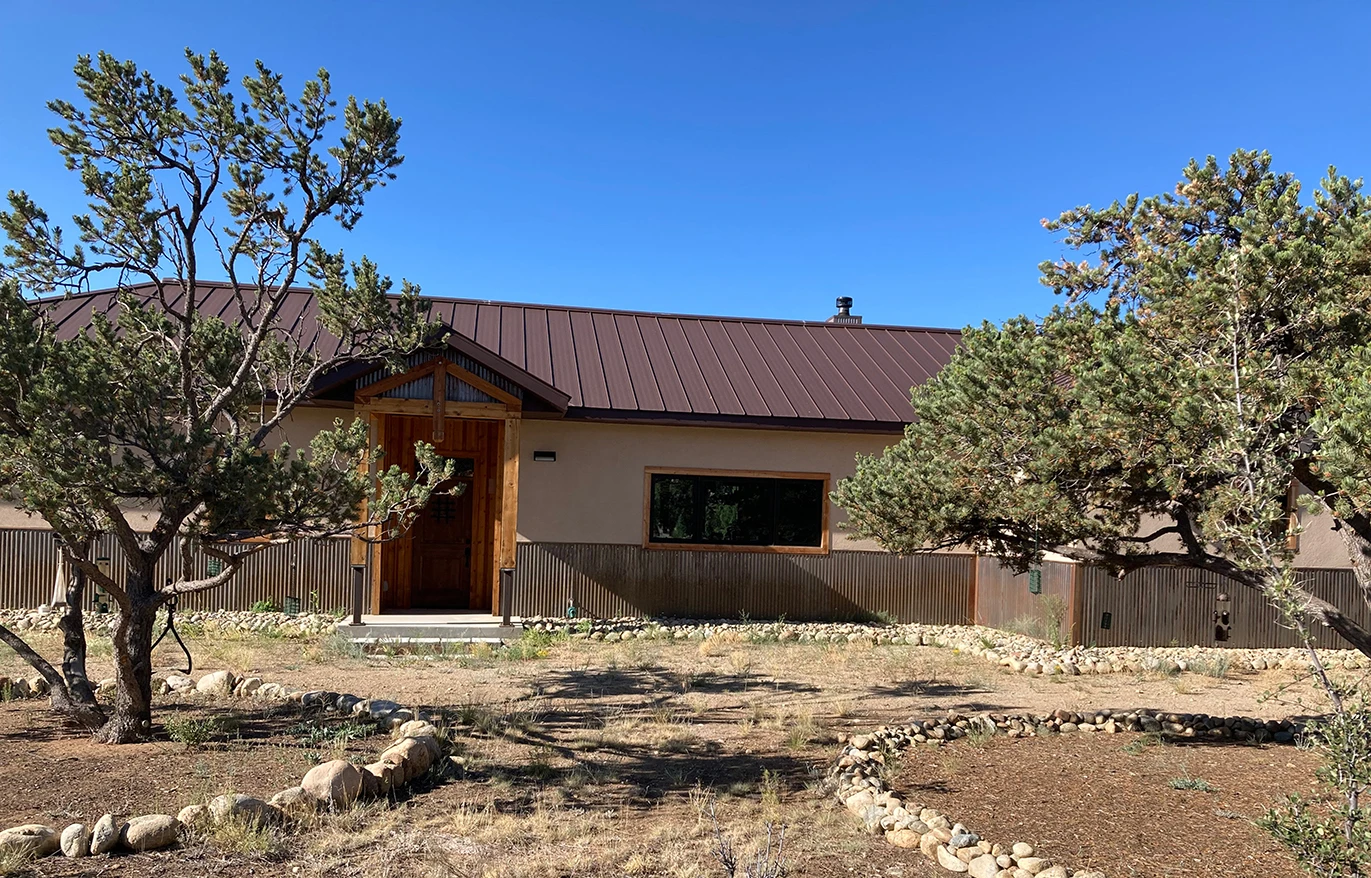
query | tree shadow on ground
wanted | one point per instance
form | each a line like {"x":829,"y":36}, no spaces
{"x":641,"y":777}
{"x":564,"y":697}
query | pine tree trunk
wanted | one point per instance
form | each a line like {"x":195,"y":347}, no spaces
{"x":132,"y":719}
{"x":73,"y":628}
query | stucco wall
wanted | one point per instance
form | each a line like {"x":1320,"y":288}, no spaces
{"x":593,"y":492}
{"x":299,"y":428}
{"x":1319,"y":545}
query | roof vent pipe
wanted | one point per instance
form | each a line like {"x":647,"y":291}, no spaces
{"x":844,"y":314}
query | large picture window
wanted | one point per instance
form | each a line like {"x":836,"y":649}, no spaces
{"x":784,"y":511}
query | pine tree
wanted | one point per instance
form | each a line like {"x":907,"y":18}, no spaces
{"x":1213,"y":348}
{"x":161,"y":405}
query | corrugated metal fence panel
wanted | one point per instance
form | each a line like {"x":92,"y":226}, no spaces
{"x":622,"y":580}
{"x":1155,"y":607}
{"x":28,"y":567}
{"x":1003,"y":599}
{"x":316,"y":572}
{"x":1162,"y":606}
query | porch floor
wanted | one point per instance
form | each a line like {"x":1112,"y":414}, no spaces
{"x":418,"y":626}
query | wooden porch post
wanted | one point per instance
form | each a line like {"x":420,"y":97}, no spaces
{"x":509,"y":506}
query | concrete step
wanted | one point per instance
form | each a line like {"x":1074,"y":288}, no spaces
{"x":432,"y":632}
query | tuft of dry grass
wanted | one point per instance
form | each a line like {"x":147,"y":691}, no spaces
{"x":13,"y":863}
{"x":248,"y":838}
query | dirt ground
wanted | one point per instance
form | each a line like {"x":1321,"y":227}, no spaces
{"x":1110,"y":802}
{"x":593,"y":759}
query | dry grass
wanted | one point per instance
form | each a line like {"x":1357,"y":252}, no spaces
{"x":601,"y":759}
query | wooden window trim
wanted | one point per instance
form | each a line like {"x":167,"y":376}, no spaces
{"x":648,"y":472}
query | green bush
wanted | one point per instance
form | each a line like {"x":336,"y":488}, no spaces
{"x":1332,"y":838}
{"x":264,"y":606}
{"x":192,"y":731}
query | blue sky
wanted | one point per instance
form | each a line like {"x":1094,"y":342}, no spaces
{"x":749,"y":158}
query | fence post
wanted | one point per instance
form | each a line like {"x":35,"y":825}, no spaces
{"x":358,"y":587}
{"x":506,"y":595}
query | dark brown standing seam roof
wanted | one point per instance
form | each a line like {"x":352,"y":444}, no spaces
{"x":640,"y":366}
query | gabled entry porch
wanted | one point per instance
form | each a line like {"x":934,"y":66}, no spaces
{"x":468,"y":404}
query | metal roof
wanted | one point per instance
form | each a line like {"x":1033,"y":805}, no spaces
{"x":643,"y":365}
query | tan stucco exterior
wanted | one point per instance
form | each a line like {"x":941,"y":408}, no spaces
{"x":1319,"y":545}
{"x":593,"y":492}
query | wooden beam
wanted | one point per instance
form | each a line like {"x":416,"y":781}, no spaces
{"x":368,"y":468}
{"x":375,"y":389}
{"x":378,"y":549}
{"x":489,"y":411}
{"x":485,"y":386}
{"x":509,"y":534}
{"x":440,"y":401}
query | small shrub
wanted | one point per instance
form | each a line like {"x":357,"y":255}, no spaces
{"x":192,"y":731}
{"x":979,"y":735}
{"x":1216,"y":666}
{"x":264,"y":606}
{"x":335,"y":736}
{"x":532,"y":645}
{"x":539,"y":766}
{"x":1164,"y":667}
{"x":1332,"y":836}
{"x":715,"y":645}
{"x":1049,"y":625}
{"x":1197,"y":784}
{"x":332,"y":648}
{"x":767,"y":862}
{"x":1318,"y":841}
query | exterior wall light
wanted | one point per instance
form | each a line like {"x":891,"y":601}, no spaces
{"x":545,"y":456}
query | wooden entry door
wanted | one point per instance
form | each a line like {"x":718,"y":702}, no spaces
{"x":440,"y":571}
{"x":403,"y":581}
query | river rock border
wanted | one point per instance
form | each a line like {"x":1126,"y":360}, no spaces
{"x":1013,"y":652}
{"x":329,"y":786}
{"x":857,"y":775}
{"x":45,"y":619}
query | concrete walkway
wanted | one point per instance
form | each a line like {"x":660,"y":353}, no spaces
{"x":431,"y":627}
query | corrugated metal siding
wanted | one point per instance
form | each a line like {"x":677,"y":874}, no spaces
{"x":620,"y":580}
{"x":28,"y":567}
{"x":1002,"y":597}
{"x":460,"y":391}
{"x":1162,"y":606}
{"x":420,"y":388}
{"x":316,"y":572}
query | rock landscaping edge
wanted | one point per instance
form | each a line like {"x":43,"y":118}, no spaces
{"x":45,"y":618}
{"x":329,"y":786}
{"x":1014,"y":652}
{"x":859,"y":772}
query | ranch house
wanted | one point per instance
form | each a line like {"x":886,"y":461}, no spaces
{"x":635,"y":463}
